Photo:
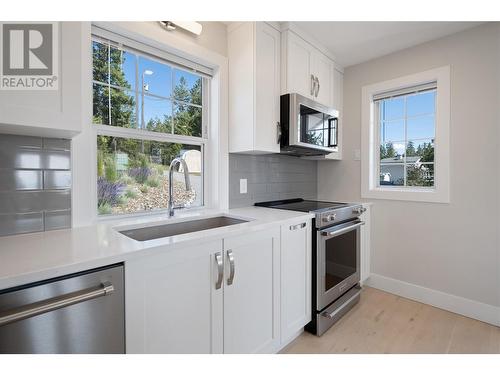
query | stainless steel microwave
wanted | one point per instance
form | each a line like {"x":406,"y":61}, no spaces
{"x":307,"y":128}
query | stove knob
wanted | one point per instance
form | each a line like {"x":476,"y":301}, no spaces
{"x":330,"y":217}
{"x":358,"y":210}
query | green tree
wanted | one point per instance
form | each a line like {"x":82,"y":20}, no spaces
{"x":410,"y":149}
{"x":122,"y":104}
{"x":390,"y":151}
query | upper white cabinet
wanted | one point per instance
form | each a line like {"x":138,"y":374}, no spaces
{"x":56,"y":113}
{"x":306,"y":70}
{"x":254,"y":87}
{"x":295,"y":278}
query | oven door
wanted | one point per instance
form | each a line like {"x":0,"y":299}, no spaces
{"x":338,"y":263}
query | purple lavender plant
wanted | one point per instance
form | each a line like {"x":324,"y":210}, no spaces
{"x":140,"y":174}
{"x":108,"y":192}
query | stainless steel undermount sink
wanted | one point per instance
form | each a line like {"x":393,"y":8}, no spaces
{"x":173,"y":229}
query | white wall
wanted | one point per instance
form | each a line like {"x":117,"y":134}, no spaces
{"x":210,"y":49}
{"x":452,"y":248}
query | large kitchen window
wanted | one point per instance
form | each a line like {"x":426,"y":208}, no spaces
{"x":147,"y":110}
{"x":405,"y":138}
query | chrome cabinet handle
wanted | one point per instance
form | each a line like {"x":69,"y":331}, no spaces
{"x":51,"y":304}
{"x":313,"y":85}
{"x":317,"y":86}
{"x":278,"y":130}
{"x":230,"y":257}
{"x":297,"y":226}
{"x":220,"y":270}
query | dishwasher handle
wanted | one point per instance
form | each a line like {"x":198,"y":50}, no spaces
{"x":51,"y":304}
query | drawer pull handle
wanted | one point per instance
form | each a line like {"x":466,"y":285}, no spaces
{"x":297,"y":226}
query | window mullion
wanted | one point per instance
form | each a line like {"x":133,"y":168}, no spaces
{"x":405,"y":175}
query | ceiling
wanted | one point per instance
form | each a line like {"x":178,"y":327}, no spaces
{"x":356,"y":42}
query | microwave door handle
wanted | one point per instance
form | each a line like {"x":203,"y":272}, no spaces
{"x":342,"y":230}
{"x":332,"y":123}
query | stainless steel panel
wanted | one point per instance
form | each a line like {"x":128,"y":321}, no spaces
{"x":57,"y":219}
{"x":93,"y":326}
{"x":8,"y":140}
{"x":325,"y":297}
{"x":56,"y":179}
{"x":57,"y":144}
{"x":337,"y":310}
{"x":12,"y":179}
{"x":34,"y":201}
{"x":20,"y":223}
{"x":167,"y":230}
{"x":56,"y":160}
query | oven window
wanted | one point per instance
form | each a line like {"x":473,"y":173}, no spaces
{"x":340,"y":258}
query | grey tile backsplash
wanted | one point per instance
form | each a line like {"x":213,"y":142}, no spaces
{"x":270,"y":177}
{"x":35,"y":184}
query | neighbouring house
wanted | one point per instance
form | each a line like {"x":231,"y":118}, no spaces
{"x":392,"y":169}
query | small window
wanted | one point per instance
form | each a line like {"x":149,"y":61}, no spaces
{"x":405,"y":138}
{"x":406,"y":129}
{"x":147,"y":111}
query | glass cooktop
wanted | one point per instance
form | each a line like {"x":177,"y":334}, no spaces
{"x":301,"y":205}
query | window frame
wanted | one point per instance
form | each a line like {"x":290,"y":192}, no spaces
{"x":370,"y":140}
{"x":118,"y":41}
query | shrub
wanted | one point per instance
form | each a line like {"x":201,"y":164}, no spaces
{"x":140,"y":174}
{"x":143,"y":189}
{"x":131,"y":193}
{"x":104,"y":209}
{"x":108,"y":193}
{"x":153,"y":182}
{"x":110,"y":171}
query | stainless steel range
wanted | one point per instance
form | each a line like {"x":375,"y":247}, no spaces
{"x":335,"y":257}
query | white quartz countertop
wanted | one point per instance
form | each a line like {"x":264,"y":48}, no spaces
{"x":34,"y":257}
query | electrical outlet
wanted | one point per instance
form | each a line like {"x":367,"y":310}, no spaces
{"x":357,"y":154}
{"x":243,"y":185}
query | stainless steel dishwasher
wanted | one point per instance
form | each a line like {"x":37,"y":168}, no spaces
{"x":78,"y":313}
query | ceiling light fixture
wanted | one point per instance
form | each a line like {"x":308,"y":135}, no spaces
{"x":191,"y":26}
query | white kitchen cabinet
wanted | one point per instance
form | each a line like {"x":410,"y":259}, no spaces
{"x":365,"y":243}
{"x":172,"y":301}
{"x":254,"y":88}
{"x":56,"y":113}
{"x":306,"y":70}
{"x":295,"y":278}
{"x":251,"y":299}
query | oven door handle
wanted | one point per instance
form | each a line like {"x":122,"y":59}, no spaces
{"x":342,"y":230}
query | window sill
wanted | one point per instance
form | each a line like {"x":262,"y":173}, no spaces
{"x":407,"y":194}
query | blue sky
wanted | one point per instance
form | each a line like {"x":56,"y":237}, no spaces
{"x":420,"y":110}
{"x":159,"y":83}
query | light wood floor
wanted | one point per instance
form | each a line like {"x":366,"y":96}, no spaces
{"x":385,"y":323}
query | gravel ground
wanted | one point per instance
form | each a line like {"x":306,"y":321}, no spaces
{"x":155,"y":197}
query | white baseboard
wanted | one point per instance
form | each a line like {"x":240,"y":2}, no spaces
{"x":459,"y":305}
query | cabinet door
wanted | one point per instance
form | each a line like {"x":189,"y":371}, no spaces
{"x":295,"y":278}
{"x":267,"y":87}
{"x":53,"y":113}
{"x":251,"y":297}
{"x":298,"y":68}
{"x":322,"y":69}
{"x":172,"y":303}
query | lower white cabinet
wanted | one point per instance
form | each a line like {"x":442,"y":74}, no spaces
{"x":172,"y":302}
{"x":251,"y":297}
{"x":295,"y":278}
{"x":217,"y":297}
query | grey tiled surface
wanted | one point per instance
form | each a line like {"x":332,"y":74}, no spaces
{"x":270,"y":177}
{"x":35,"y":184}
